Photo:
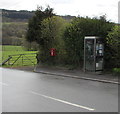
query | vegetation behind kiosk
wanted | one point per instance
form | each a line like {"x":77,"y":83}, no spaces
{"x":93,"y":53}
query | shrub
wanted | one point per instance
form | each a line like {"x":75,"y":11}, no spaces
{"x":113,"y":46}
{"x":75,"y":33}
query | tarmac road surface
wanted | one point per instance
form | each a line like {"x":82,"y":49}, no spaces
{"x":24,"y":91}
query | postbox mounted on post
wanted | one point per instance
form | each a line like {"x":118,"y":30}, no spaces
{"x":93,"y":53}
{"x":52,"y":52}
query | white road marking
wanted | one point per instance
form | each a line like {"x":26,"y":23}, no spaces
{"x":4,"y":84}
{"x":65,"y":102}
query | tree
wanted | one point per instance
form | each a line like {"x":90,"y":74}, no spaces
{"x":51,"y":35}
{"x":34,"y":25}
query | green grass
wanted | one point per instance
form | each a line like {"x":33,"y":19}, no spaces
{"x":15,"y":51}
{"x":12,"y":48}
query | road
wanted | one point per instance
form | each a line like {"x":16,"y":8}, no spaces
{"x":24,"y":91}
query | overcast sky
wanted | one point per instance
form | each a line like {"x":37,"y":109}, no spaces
{"x":89,"y":8}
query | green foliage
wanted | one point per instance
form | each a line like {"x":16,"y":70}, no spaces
{"x":113,"y":42}
{"x":34,"y":26}
{"x":52,"y":29}
{"x":116,"y":71}
{"x":77,"y":30}
{"x":73,"y":42}
{"x":68,"y":38}
{"x":30,"y":46}
{"x":51,"y":34}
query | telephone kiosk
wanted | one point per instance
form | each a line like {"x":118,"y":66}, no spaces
{"x":93,"y":53}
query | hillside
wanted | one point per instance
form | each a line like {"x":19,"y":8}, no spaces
{"x":15,"y":16}
{"x":15,"y":25}
{"x":23,"y":15}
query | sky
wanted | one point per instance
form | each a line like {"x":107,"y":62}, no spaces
{"x":90,"y":8}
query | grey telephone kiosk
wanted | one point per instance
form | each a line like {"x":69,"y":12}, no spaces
{"x":93,"y":53}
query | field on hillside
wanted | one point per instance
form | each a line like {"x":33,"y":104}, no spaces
{"x":26,"y":57}
{"x":13,"y":33}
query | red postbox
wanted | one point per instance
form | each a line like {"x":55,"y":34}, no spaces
{"x":52,"y":52}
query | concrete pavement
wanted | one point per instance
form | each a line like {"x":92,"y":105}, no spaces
{"x":106,"y":78}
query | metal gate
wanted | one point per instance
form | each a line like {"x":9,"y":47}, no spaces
{"x":21,"y":60}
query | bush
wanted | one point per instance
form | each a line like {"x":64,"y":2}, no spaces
{"x":116,"y":71}
{"x":75,"y":33}
{"x":51,"y":35}
{"x":113,"y":46}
